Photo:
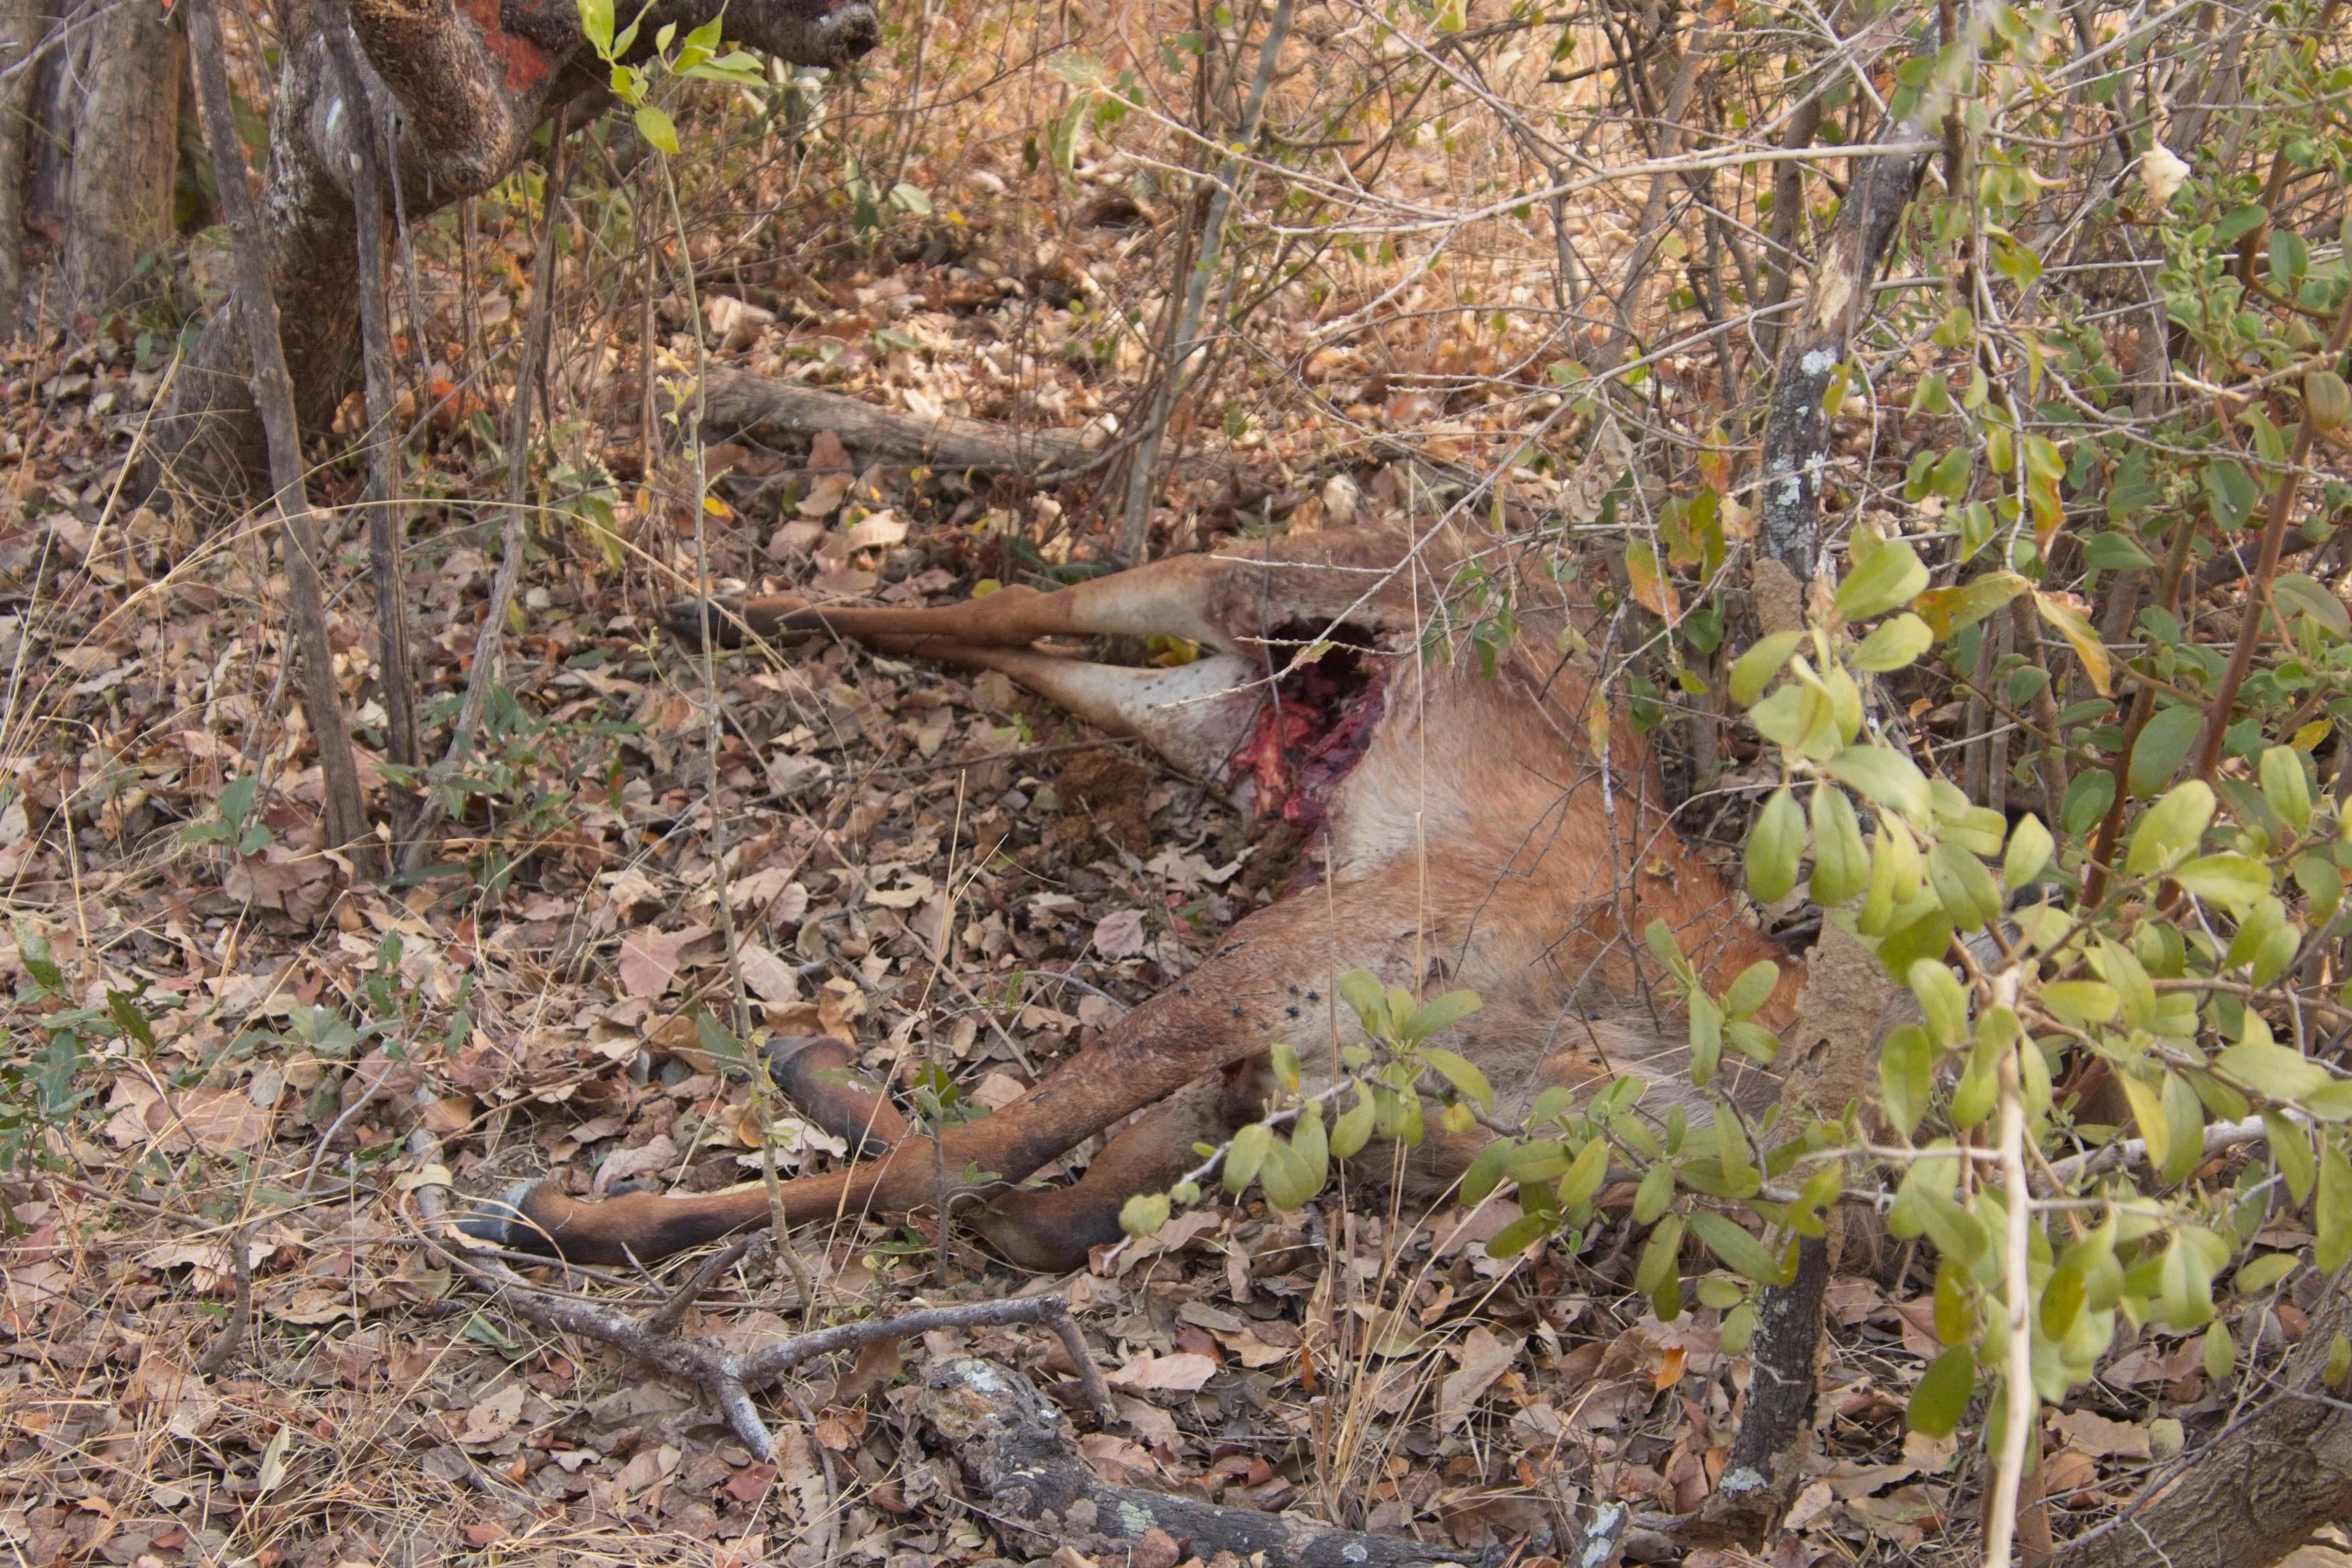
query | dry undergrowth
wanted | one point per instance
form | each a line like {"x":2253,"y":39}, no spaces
{"x":929,"y":867}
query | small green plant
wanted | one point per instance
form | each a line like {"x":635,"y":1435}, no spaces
{"x":233,"y":821}
{"x":697,"y":59}
{"x":44,"y":1087}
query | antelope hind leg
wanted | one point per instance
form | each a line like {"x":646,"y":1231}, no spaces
{"x":816,"y":1073}
{"x":1050,"y":1230}
{"x":1223,"y":1011}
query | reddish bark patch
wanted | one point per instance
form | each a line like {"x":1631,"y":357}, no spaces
{"x":526,"y":64}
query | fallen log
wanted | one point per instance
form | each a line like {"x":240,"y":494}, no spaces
{"x":739,"y":403}
{"x":1006,"y":1436}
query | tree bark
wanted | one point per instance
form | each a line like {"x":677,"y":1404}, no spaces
{"x":323,"y":703}
{"x":1797,"y":431}
{"x":23,"y":25}
{"x":2261,"y":1488}
{"x":472,"y":80}
{"x":103,"y":170}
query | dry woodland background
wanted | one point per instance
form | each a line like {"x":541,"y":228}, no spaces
{"x":1280,"y":265}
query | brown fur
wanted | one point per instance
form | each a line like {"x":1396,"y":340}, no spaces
{"x":1479,"y":843}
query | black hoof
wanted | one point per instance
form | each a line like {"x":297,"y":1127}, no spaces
{"x":505,"y":1221}
{"x":685,"y":620}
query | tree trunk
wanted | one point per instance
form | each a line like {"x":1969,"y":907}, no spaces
{"x":2261,"y":1488}
{"x":471,"y":79}
{"x":23,"y":25}
{"x":105,"y":164}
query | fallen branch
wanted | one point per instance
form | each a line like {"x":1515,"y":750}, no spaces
{"x":731,"y":1378}
{"x":1006,"y":1436}
{"x":736,"y":401}
{"x":2219,"y":1139}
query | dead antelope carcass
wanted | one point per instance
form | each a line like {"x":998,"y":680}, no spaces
{"x":1469,"y":837}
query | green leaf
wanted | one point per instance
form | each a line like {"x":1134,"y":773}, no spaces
{"x":1894,"y":644}
{"x":1891,"y":577}
{"x":1364,"y":998}
{"x":1283,"y":1057}
{"x":1964,"y":885}
{"x":2274,"y":1070}
{"x":2220,"y":1356}
{"x":1905,"y":1076}
{"x":2184,"y":1279}
{"x":2087,"y":799}
{"x":2062,"y":1300}
{"x":596,"y":25}
{"x":1143,"y":1214}
{"x":1736,"y":1249}
{"x":2290,"y":1150}
{"x":1942,"y":998}
{"x":1466,"y":1078}
{"x":1774,"y":848}
{"x":1841,"y":859}
{"x":1659,"y":937}
{"x":1285,"y":1178}
{"x":2184,"y":1128}
{"x":1957,"y":1232}
{"x":2332,"y":1210}
{"x":1949,"y":610}
{"x":1353,"y":1129}
{"x":1660,"y":1255}
{"x":1486,"y":1172}
{"x":1706,"y":1038}
{"x":1883,"y":777}
{"x":657,"y":130}
{"x":1753,"y":989}
{"x":2029,"y":848}
{"x":2234,"y":881}
{"x":2172,"y":829}
{"x":1942,"y":1397}
{"x":1247,"y":1155}
{"x":2162,"y":746}
{"x":2261,"y":1273}
{"x":1518,"y":1235}
{"x":1584,"y":1177}
{"x":1754,"y":670}
{"x":2297,"y":594}
{"x":1656,"y":1191}
{"x":2081,"y":1001}
{"x":2229,"y":490}
{"x":1436,"y":1018}
{"x":2114,"y":552}
{"x":2285,"y":787}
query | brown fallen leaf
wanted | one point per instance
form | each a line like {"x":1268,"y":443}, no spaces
{"x":2101,"y":1438}
{"x":1483,"y":1357}
{"x":1183,"y":1372}
{"x":649,"y":959}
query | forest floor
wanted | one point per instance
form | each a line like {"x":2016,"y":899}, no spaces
{"x":940,"y":870}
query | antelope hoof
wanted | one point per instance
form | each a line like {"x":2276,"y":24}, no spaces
{"x":516,"y":1219}
{"x":685,"y":619}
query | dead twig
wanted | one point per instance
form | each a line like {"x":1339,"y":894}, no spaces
{"x":729,"y":1377}
{"x":240,"y":1312}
